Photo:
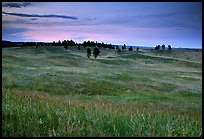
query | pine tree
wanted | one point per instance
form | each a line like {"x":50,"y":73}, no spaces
{"x":96,"y":52}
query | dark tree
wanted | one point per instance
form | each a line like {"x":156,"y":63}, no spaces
{"x":157,"y":47}
{"x":53,"y":43}
{"x":103,"y":45}
{"x":169,"y":47}
{"x":117,"y":46}
{"x":64,"y":42}
{"x":84,"y":44}
{"x":130,"y":49}
{"x":71,"y":43}
{"x":99,"y":45}
{"x":110,"y":46}
{"x":96,"y":52}
{"x":137,"y":48}
{"x":163,"y":47}
{"x":59,"y":43}
{"x":88,"y":43}
{"x":124,"y":47}
{"x":88,"y":52}
{"x":92,"y":44}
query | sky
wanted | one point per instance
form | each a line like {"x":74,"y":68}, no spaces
{"x":178,"y":24}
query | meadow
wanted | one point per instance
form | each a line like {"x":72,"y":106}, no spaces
{"x":52,"y":91}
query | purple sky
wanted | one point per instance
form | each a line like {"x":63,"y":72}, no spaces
{"x":133,"y":23}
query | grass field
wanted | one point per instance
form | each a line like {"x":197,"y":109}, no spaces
{"x":51,"y":91}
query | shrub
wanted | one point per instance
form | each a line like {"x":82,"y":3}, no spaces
{"x":157,"y":47}
{"x":169,"y":47}
{"x":130,"y":49}
{"x":88,"y":52}
{"x":96,"y":52}
{"x":163,"y":47}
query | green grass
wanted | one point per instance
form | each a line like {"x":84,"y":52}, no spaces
{"x":51,"y":91}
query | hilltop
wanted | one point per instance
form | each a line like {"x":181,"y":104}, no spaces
{"x":52,"y":91}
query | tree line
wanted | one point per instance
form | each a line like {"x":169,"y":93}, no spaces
{"x":163,"y":47}
{"x":86,"y":44}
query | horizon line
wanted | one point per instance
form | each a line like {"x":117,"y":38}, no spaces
{"x":111,"y":44}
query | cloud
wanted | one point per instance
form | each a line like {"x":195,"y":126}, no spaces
{"x":171,"y":20}
{"x":41,"y":16}
{"x":33,"y":19}
{"x":91,"y":19}
{"x":18,"y":21}
{"x":16,"y":4}
{"x":9,"y":33}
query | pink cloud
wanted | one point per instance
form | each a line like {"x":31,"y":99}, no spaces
{"x":101,"y":33}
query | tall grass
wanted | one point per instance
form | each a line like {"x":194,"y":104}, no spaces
{"x":51,"y":91}
{"x":39,"y":114}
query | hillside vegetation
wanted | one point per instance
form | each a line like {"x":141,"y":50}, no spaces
{"x":52,"y":91}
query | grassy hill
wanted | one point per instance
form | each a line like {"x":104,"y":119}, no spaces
{"x":51,"y":91}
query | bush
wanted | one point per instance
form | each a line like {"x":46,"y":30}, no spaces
{"x":163,"y":47}
{"x":96,"y":52}
{"x":157,"y":47}
{"x":124,"y":47}
{"x":88,"y":52}
{"x":130,"y":49}
{"x":169,"y":47}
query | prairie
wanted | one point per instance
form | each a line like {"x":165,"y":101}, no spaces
{"x":51,"y":91}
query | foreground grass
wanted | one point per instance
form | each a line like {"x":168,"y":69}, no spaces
{"x":51,"y":91}
{"x":44,"y":115}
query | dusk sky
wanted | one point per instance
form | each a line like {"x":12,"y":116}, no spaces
{"x":132,"y":23}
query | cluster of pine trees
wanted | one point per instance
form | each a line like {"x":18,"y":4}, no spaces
{"x":96,"y":46}
{"x":85,"y":44}
{"x":158,"y":47}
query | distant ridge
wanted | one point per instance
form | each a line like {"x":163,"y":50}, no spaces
{"x":9,"y":43}
{"x":5,"y":41}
